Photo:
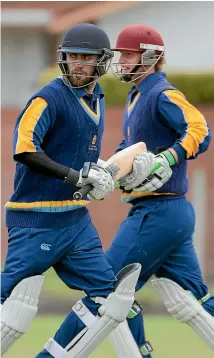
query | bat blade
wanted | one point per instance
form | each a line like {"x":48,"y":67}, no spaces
{"x":119,"y":165}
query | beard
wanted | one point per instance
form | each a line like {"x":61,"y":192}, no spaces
{"x":78,"y":79}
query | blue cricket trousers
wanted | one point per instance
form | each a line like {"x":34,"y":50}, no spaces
{"x":76,"y":255}
{"x":158,"y":234}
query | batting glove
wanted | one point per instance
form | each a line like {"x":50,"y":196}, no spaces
{"x":142,"y":166}
{"x":100,"y":179}
{"x":160,"y":172}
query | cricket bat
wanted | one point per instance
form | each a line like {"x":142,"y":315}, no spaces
{"x":119,"y":165}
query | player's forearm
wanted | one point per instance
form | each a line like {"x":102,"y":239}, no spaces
{"x":174,"y":154}
{"x":170,"y":155}
{"x":181,"y":153}
{"x":39,"y":162}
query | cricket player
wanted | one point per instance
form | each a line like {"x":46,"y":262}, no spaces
{"x":56,"y":135}
{"x":159,"y":228}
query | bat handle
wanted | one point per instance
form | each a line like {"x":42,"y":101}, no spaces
{"x":79,"y":194}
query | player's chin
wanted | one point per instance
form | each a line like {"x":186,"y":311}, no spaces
{"x":78,"y":82}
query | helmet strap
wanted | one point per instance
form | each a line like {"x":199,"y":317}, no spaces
{"x":127,"y":77}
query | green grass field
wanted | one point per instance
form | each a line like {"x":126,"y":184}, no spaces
{"x":54,"y":287}
{"x":169,"y":338}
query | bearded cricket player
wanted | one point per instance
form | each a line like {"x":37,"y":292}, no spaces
{"x":57,"y":143}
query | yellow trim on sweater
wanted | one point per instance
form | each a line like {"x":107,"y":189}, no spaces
{"x":27,"y":124}
{"x":95,"y":115}
{"x":57,"y":206}
{"x":131,"y":106}
{"x":196,"y":125}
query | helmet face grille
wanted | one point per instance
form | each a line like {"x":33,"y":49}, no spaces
{"x":101,"y":67}
{"x":148,"y":60}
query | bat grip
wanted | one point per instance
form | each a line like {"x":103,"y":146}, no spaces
{"x":79,"y":194}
